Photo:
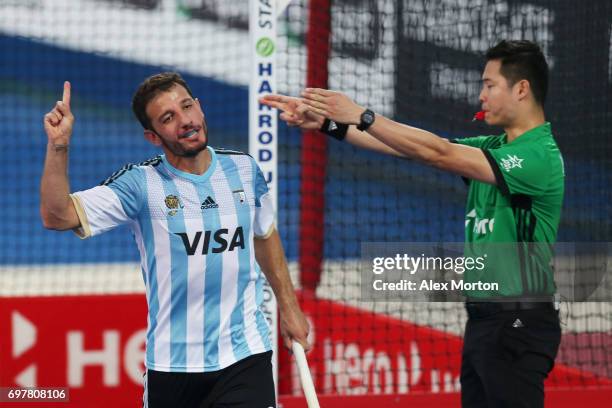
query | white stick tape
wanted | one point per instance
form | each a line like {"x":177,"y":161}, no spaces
{"x":305,"y":377}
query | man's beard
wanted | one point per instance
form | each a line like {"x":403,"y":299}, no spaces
{"x":180,"y":151}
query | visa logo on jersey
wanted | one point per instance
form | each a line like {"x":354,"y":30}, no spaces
{"x":213,"y":241}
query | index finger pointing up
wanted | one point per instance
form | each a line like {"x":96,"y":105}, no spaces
{"x":66,"y":95}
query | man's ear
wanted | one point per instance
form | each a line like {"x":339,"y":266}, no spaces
{"x":152,"y":137}
{"x":522,"y":88}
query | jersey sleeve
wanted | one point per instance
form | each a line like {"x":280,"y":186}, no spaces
{"x":477,"y":141}
{"x":115,"y":202}
{"x":520,"y":169}
{"x":264,"y":207}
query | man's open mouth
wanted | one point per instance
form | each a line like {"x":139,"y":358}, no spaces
{"x":189,"y":134}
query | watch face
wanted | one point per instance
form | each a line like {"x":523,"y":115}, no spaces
{"x":367,"y":119}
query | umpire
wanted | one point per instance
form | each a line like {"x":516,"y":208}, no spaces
{"x":516,"y":187}
{"x":513,"y":334}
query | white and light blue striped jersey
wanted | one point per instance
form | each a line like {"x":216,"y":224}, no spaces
{"x":195,"y":238}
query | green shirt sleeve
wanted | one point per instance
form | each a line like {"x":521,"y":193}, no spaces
{"x":520,"y":169}
{"x":477,"y":141}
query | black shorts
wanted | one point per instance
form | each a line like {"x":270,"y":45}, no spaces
{"x":507,"y":356}
{"x":246,"y":384}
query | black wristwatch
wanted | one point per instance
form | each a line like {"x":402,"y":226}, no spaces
{"x":366,"y":120}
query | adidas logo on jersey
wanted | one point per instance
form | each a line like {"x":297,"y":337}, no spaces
{"x":209,"y":203}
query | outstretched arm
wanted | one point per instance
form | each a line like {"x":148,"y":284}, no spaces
{"x":56,"y":207}
{"x":409,"y":141}
{"x":271,"y":257}
{"x":296,"y":113}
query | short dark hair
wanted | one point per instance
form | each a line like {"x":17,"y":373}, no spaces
{"x":522,"y":59}
{"x":149,"y":89}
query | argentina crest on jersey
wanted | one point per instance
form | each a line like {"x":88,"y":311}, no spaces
{"x":173,"y":203}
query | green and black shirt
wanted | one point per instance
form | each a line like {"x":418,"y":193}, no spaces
{"x":522,"y":211}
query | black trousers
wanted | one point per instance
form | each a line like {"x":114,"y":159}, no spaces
{"x":506,"y":357}
{"x":247,"y":383}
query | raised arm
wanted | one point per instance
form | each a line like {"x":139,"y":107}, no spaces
{"x":271,"y":257}
{"x":56,"y":207}
{"x":296,"y":113}
{"x":411,"y":142}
